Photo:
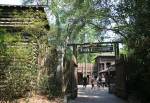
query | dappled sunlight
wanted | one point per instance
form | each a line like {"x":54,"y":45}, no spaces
{"x":96,"y":95}
{"x":87,"y":96}
{"x":47,"y":47}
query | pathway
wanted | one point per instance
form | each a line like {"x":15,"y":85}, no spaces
{"x":97,"y":95}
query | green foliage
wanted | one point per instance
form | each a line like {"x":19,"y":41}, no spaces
{"x":133,"y":23}
{"x":6,"y":37}
{"x":45,"y":40}
{"x":73,"y":16}
{"x":90,"y":58}
{"x":18,"y":66}
{"x":25,"y":57}
{"x":68,"y":54}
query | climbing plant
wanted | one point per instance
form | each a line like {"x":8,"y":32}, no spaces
{"x":24,"y":56}
{"x":18,"y":66}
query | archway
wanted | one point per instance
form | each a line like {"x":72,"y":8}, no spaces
{"x":94,"y":48}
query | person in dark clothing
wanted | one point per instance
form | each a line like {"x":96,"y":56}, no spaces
{"x":92,"y":82}
{"x":84,"y":81}
{"x":87,"y":79}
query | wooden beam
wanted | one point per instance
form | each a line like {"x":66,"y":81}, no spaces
{"x":94,"y":43}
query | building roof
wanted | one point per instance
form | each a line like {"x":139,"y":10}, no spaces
{"x":9,"y":18}
{"x":105,"y":57}
{"x":24,"y":2}
{"x":103,"y":71}
{"x":112,"y":68}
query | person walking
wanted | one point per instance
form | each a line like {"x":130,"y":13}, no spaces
{"x":103,"y":81}
{"x":92,"y":82}
{"x":98,"y":80}
{"x":84,"y":81}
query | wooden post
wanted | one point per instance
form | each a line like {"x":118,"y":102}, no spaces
{"x":116,"y":46}
{"x":59,"y":71}
{"x":74,"y":77}
{"x":75,"y":50}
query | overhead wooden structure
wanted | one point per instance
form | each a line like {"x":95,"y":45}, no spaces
{"x":96,"y":47}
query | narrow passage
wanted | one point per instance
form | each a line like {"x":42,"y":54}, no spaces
{"x":97,"y":95}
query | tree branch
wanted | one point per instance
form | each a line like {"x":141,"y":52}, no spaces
{"x":111,"y":29}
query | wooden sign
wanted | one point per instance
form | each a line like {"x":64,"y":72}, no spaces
{"x":96,"y":49}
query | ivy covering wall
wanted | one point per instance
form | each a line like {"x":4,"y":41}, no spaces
{"x":17,"y":66}
{"x":24,"y":53}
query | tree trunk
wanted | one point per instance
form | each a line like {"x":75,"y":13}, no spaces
{"x":59,"y":71}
